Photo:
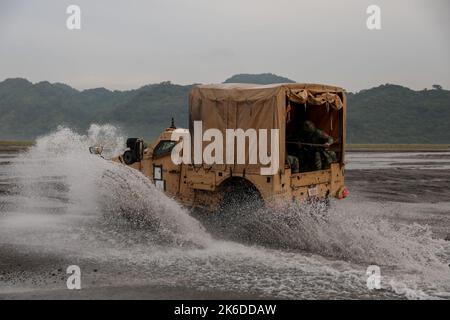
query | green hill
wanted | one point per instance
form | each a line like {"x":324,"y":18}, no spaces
{"x":395,"y":114}
{"x":30,"y":110}
{"x":385,"y":114}
{"x":262,"y":78}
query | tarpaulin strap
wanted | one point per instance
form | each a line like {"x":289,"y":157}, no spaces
{"x":327,"y":104}
{"x":288,"y":112}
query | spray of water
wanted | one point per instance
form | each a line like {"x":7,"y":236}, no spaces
{"x":60,"y":182}
{"x":80,"y":198}
{"x":349,"y":231}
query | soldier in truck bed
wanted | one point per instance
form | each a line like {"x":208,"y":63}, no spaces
{"x":310,"y":157}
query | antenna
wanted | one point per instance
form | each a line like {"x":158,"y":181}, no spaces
{"x":172,"y":124}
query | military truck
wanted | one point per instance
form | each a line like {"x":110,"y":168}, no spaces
{"x":246,"y":106}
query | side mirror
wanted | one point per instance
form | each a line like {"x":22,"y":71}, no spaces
{"x":96,"y":150}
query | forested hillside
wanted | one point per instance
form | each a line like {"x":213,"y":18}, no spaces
{"x":385,"y":114}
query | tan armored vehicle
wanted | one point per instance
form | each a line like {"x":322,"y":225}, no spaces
{"x":266,"y":116}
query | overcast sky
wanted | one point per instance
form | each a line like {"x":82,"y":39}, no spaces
{"x":126,"y":44}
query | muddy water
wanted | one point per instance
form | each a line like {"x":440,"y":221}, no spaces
{"x":61,"y":206}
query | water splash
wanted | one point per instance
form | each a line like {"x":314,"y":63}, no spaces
{"x":128,"y":197}
{"x":59,"y":182}
{"x":78,"y":203}
{"x":414,"y":262}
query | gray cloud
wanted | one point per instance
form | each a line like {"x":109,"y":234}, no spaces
{"x":125,"y":44}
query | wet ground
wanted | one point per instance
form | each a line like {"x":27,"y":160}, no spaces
{"x":419,"y":181}
{"x":61,"y":207}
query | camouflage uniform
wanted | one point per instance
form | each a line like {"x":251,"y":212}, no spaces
{"x":293,"y":163}
{"x":320,"y":157}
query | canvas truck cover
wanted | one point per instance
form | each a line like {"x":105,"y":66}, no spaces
{"x":252,"y":106}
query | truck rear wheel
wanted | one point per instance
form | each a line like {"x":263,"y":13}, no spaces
{"x":239,"y":194}
{"x":238,"y":209}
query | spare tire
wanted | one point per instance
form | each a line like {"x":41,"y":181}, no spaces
{"x":131,"y":143}
{"x":128,"y":157}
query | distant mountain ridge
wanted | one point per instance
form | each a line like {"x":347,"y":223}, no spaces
{"x":384,"y":114}
{"x":395,"y":114}
{"x":262,"y":78}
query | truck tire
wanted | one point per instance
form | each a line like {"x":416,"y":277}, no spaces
{"x":128,"y":157}
{"x":239,"y":203}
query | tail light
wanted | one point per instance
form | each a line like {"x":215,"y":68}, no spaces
{"x":343,"y":193}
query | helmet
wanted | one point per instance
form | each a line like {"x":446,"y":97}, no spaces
{"x":308,"y":126}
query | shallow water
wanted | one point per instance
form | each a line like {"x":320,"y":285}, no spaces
{"x":404,"y":160}
{"x":60,"y":206}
